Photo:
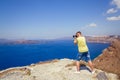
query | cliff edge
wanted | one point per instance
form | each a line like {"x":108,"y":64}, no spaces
{"x":63,"y":69}
{"x":109,"y":60}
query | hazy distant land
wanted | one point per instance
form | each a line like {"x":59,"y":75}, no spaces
{"x":93,"y":39}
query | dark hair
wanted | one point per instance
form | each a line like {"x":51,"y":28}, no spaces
{"x":78,"y":32}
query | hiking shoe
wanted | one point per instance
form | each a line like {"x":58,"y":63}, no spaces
{"x":93,"y":72}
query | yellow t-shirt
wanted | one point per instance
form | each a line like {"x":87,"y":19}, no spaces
{"x":82,"y":46}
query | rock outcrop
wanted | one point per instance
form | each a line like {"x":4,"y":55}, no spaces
{"x":109,"y":60}
{"x":63,"y":69}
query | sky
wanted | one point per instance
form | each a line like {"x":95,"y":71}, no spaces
{"x":51,"y":19}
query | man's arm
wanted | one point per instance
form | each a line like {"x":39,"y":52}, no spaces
{"x":75,"y":41}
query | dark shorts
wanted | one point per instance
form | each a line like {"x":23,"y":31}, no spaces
{"x":83,"y":56}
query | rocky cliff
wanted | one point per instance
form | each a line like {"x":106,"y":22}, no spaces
{"x":63,"y":69}
{"x":109,"y":60}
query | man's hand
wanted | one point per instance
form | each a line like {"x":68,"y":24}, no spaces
{"x":75,"y":41}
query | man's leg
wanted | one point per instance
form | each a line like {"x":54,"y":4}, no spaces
{"x":78,"y":65}
{"x":79,"y":56}
{"x":91,"y":65}
{"x":89,"y":61}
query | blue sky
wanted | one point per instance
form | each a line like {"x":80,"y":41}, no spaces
{"x":50,"y":19}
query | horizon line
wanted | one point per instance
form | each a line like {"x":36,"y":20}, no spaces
{"x":67,"y":37}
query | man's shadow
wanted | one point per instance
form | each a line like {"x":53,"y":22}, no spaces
{"x":84,"y":67}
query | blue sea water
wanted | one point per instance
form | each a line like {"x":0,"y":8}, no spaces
{"x":26,"y":54}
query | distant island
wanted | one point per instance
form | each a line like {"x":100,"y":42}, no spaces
{"x":102,"y":39}
{"x":22,"y":41}
{"x":93,"y":39}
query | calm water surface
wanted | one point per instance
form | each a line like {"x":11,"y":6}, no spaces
{"x":26,"y":54}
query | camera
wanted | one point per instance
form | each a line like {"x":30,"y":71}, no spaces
{"x":74,"y":36}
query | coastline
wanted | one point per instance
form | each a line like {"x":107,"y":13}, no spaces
{"x":60,"y":69}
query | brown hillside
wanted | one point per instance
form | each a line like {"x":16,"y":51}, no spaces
{"x":109,"y":60}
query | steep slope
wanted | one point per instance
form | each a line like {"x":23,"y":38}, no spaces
{"x":109,"y":60}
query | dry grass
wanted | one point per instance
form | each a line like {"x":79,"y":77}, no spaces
{"x":74,"y":64}
{"x":44,"y":62}
{"x":26,"y":71}
{"x":53,"y":61}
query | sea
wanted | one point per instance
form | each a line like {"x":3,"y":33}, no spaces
{"x":17,"y":55}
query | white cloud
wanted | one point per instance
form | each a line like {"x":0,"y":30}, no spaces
{"x":114,"y":18}
{"x":116,"y":8}
{"x":92,"y":25}
{"x":117,"y":3}
{"x":112,"y":10}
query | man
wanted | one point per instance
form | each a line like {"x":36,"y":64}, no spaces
{"x":83,"y":51}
